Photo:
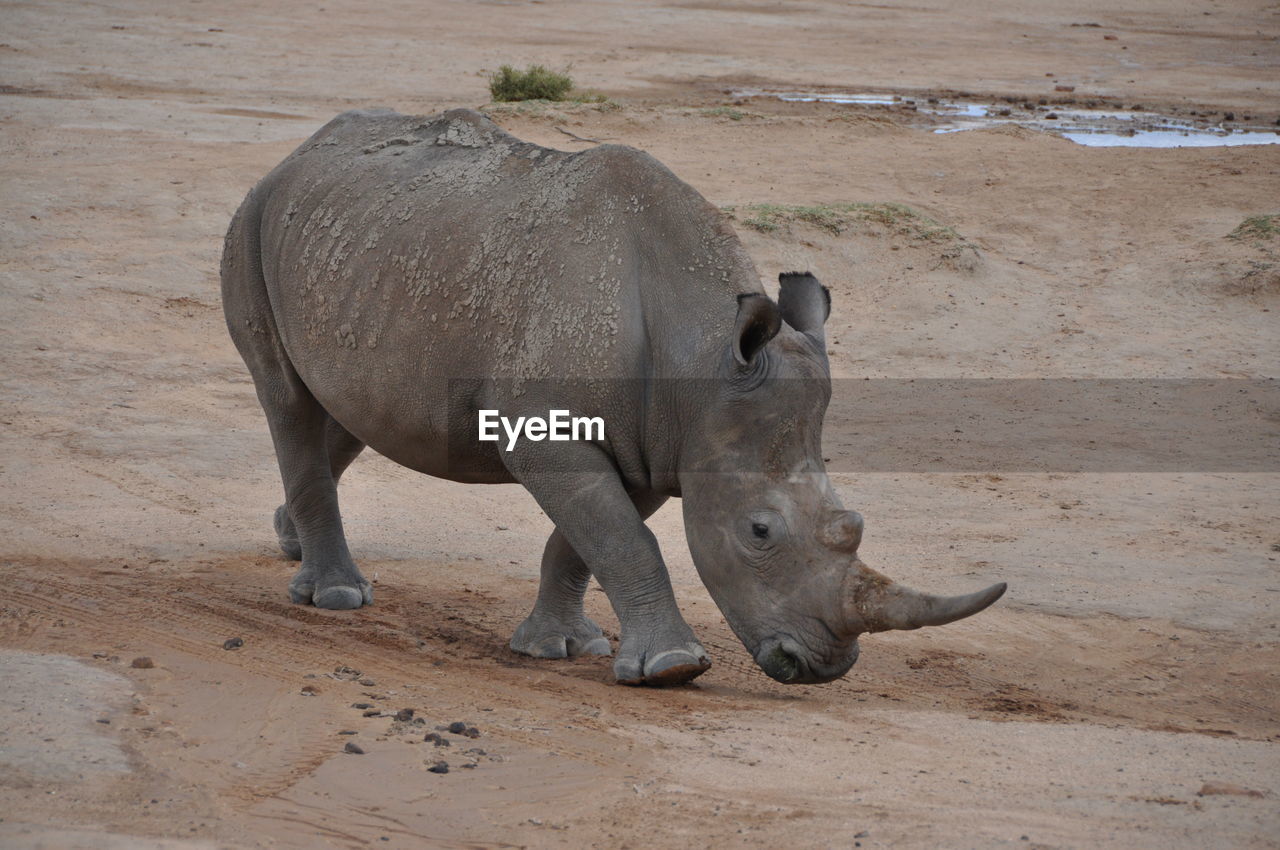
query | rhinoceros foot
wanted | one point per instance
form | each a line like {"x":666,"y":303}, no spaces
{"x":673,"y":666}
{"x":544,"y":637}
{"x":287,"y":534}
{"x":335,"y":589}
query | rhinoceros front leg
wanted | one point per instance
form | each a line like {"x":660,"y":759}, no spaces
{"x":579,"y":489}
{"x":558,"y":627}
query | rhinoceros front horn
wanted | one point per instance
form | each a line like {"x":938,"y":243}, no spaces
{"x":882,"y":605}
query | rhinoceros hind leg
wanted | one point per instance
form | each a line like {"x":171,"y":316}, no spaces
{"x":342,"y":447}
{"x":328,"y":577}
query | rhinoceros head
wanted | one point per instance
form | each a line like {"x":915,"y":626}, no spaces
{"x":770,"y":538}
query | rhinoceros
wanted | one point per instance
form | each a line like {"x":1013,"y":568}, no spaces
{"x":396,"y":275}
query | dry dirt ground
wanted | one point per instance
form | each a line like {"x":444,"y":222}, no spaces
{"x":1135,"y":658}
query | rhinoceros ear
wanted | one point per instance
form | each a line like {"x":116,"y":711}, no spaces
{"x":805,"y":304}
{"x":758,"y":322}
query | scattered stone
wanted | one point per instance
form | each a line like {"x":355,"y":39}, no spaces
{"x":437,"y":739}
{"x":347,"y":732}
{"x":458,"y":727}
{"x":310,"y":690}
{"x":353,"y":748}
{"x":404,"y":715}
{"x":1052,"y":116}
{"x":439,"y":767}
{"x":469,"y":765}
{"x":1064,"y":88}
{"x":233,"y":643}
{"x":362,"y":705}
{"x":1210,"y":789}
{"x":536,"y":821}
{"x":142,"y":662}
{"x":477,"y":751}
{"x":1229,"y":116}
{"x":106,"y":721}
{"x":373,"y":712}
{"x":368,"y":683}
{"x":471,"y":732}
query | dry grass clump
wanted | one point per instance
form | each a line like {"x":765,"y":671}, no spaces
{"x":534,"y":83}
{"x":899,"y":219}
{"x":1257,"y":228}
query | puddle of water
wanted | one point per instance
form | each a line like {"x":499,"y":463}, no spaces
{"x":811,"y":97}
{"x":1089,"y":127}
{"x":1170,"y":139}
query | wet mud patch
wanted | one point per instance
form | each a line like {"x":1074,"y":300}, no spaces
{"x":1097,"y":122}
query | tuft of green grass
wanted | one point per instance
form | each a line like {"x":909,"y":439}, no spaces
{"x":1257,"y":228}
{"x":534,"y":83}
{"x":725,"y":112}
{"x":898,"y":219}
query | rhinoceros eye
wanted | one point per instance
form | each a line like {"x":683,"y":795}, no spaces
{"x":759,"y":530}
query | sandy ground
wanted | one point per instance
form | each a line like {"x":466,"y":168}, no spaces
{"x":1135,"y":658}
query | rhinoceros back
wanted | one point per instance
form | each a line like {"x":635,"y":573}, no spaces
{"x":404,"y":252}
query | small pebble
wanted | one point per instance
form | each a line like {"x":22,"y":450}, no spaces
{"x":439,"y":767}
{"x":457,"y":727}
{"x":368,"y":683}
{"x":404,"y":715}
{"x":373,"y":712}
{"x":347,"y":732}
{"x":310,"y":690}
{"x":233,"y":643}
{"x":142,"y":662}
{"x":471,"y":732}
{"x":362,"y":705}
{"x":437,"y":739}
{"x":354,"y":748}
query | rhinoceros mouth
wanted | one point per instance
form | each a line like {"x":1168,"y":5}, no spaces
{"x":785,"y":660}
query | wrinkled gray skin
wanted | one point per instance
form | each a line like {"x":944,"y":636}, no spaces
{"x":396,"y":274}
